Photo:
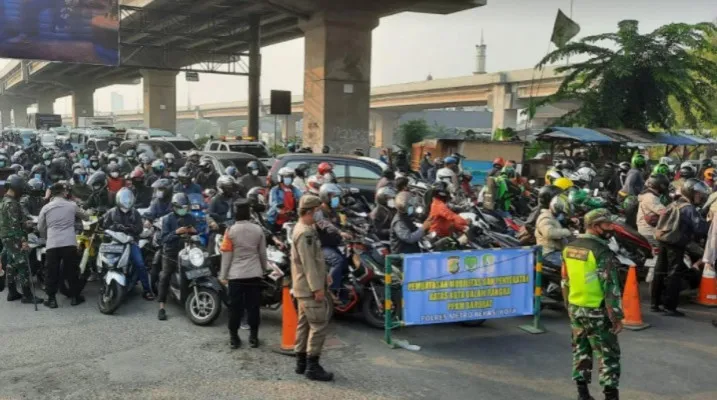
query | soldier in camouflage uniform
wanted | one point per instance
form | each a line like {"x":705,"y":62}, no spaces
{"x":592,"y":295}
{"x":14,"y":241}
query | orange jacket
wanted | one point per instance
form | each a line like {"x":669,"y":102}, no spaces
{"x":445,"y":221}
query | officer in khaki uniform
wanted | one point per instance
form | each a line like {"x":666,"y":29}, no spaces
{"x":308,"y":274}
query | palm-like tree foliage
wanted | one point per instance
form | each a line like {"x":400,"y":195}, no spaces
{"x":630,"y":84}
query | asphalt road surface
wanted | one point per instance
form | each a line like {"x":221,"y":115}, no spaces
{"x":78,"y":353}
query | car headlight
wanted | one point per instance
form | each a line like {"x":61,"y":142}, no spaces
{"x":196,"y":257}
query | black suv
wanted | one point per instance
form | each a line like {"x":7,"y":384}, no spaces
{"x":362,"y":173}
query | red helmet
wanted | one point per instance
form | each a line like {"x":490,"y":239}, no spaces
{"x":137,"y":174}
{"x":499,"y":161}
{"x":325,"y":168}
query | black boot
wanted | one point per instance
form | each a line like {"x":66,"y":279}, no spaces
{"x":300,"y":363}
{"x":234,"y":341}
{"x":584,"y":392}
{"x":254,"y":339}
{"x":12,"y":293}
{"x":28,"y":298}
{"x":51,"y":302}
{"x":77,"y":300}
{"x":612,"y":393}
{"x":315,"y":372}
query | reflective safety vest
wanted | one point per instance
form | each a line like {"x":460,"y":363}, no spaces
{"x":580,"y":258}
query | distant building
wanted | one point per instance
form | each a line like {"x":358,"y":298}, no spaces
{"x":117,"y":102}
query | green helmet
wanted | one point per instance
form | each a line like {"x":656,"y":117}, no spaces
{"x":597,"y":216}
{"x":638,"y":161}
{"x":661,"y":169}
{"x":508,"y":171}
{"x":577,"y":197}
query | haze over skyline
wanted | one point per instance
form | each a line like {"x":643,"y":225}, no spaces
{"x":409,"y":46}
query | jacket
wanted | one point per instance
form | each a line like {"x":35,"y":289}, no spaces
{"x":220,"y":209}
{"x":248,"y":182}
{"x":649,"y":204}
{"x":425,"y":167}
{"x":710,"y":254}
{"x":634,"y":182}
{"x":129,"y":222}
{"x":31,"y":205}
{"x":207,"y":180}
{"x":381,"y":218}
{"x":115,"y":184}
{"x":188,"y":189}
{"x":300,"y":183}
{"x":168,"y":236}
{"x":158,"y":209}
{"x":56,"y":222}
{"x":692,"y":224}
{"x":142,"y":195}
{"x":445,"y":221}
{"x":328,"y":229}
{"x":405,"y":235}
{"x":100,"y":200}
{"x":243,"y":252}
{"x":81,"y":192}
{"x":308,"y":268}
{"x":549,"y":233}
{"x":276,"y":202}
{"x":383,"y":182}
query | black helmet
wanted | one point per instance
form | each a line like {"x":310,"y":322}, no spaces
{"x":226,"y":185}
{"x":438,"y":162}
{"x":692,"y":188}
{"x":610,"y":165}
{"x":130,"y":154}
{"x":624,"y":166}
{"x":98,"y":180}
{"x":256,"y":199}
{"x":252,"y":165}
{"x":687,"y":172}
{"x":566,"y":164}
{"x":36,"y":186}
{"x":180,"y":200}
{"x":162,"y":188}
{"x":659,"y":183}
{"x":16,"y":183}
{"x":17,"y":168}
{"x":206,"y":165}
{"x":301,"y":170}
{"x":440,"y":189}
{"x":183,"y":175}
{"x":113,"y":170}
{"x":546,"y":194}
{"x":707,"y":163}
{"x":325,"y":149}
{"x":59,"y":188}
{"x":586,"y":164}
{"x":384,"y":195}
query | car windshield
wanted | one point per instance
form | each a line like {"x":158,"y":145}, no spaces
{"x":240,"y":165}
{"x":99,"y":133}
{"x":256,"y":150}
{"x":48,"y":139}
{"x":183,"y":145}
{"x":60,"y":130}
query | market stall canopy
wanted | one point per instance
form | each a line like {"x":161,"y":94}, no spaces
{"x":582,"y":135}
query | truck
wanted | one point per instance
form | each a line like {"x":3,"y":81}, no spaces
{"x":95,"y":122}
{"x":44,"y":121}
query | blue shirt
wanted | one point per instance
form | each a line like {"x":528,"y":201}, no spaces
{"x":276,"y":202}
{"x":170,"y":224}
{"x":158,"y":209}
{"x":189,"y":189}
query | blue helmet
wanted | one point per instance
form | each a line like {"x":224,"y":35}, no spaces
{"x":450,"y":160}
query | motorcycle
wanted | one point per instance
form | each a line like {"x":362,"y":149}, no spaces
{"x":198,"y":209}
{"x":118,"y":274}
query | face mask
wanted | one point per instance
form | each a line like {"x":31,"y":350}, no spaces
{"x":255,"y":172}
{"x":391,"y":203}
{"x":334,"y":202}
{"x":2,"y":164}
{"x":169,"y":161}
{"x":181,"y":211}
{"x":124,"y":210}
{"x":114,"y":174}
{"x":47,"y":162}
{"x":410,"y":210}
{"x":561,"y":217}
{"x":95,"y":164}
{"x":97,"y":188}
{"x":287,"y":181}
{"x":38,"y":176}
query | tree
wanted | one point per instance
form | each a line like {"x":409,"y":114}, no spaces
{"x":630,"y":84}
{"x":413,"y":131}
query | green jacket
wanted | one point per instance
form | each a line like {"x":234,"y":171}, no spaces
{"x":12,"y":221}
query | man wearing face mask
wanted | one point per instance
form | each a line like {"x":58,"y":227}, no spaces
{"x":169,"y":164}
{"x":192,"y":163}
{"x":80,"y":189}
{"x":220,"y":208}
{"x":550,"y":231}
{"x":591,"y":290}
{"x":125,"y":218}
{"x":33,"y":201}
{"x":185,"y":184}
{"x":156,"y":172}
{"x":330,"y":236}
{"x":94,"y":164}
{"x":404,"y":234}
{"x":142,"y":193}
{"x":250,"y":180}
{"x":283,"y":200}
{"x":207,"y":176}
{"x":115,"y":181}
{"x":387,"y":177}
{"x":160,"y":206}
{"x":99,"y":198}
{"x":383,"y":214}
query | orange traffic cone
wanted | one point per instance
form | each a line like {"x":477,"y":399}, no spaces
{"x":289,"y":321}
{"x":707,"y":295}
{"x":631,"y":303}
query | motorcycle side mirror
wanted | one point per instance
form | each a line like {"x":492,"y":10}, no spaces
{"x":532,"y":182}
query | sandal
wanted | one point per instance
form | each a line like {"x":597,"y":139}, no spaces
{"x":148,"y":296}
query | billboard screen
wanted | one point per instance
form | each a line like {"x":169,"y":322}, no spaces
{"x":74,"y":31}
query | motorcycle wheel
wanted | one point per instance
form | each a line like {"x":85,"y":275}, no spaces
{"x":110,"y":298}
{"x":204,"y":307}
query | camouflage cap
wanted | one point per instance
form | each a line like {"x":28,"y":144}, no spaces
{"x":597,"y":216}
{"x":309,"y":201}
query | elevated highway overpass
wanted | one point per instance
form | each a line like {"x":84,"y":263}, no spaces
{"x":158,"y":38}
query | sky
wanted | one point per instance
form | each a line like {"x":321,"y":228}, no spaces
{"x":409,"y":46}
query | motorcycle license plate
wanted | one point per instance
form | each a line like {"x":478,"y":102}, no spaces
{"x":198,"y":273}
{"x":111,"y":248}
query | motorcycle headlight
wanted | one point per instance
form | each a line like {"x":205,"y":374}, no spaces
{"x":196,"y":257}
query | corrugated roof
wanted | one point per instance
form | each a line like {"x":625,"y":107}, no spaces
{"x":583,"y":135}
{"x":674,"y":140}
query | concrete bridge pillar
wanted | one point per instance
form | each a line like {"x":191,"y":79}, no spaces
{"x":83,"y":104}
{"x":288,"y":128}
{"x":337,"y":79}
{"x":19,"y":115}
{"x":385,"y":124}
{"x":505,"y":113}
{"x":223,"y":124}
{"x":46,"y":105}
{"x":6,"y":115}
{"x":160,"y":99}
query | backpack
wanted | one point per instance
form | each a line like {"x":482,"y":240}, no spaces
{"x":668,"y":226}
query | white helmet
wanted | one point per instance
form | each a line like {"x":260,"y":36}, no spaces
{"x":585,"y":174}
{"x":446,"y":175}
